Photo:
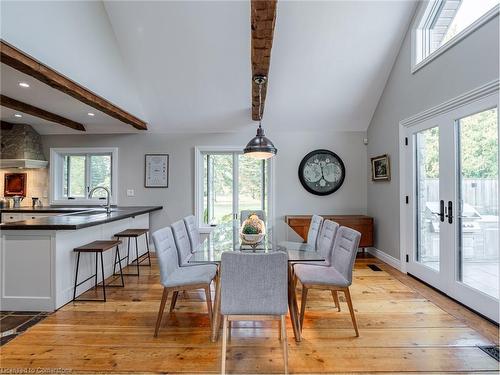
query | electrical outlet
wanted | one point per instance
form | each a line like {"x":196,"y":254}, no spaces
{"x":130,"y":192}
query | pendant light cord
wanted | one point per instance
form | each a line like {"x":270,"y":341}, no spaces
{"x":260,"y":104}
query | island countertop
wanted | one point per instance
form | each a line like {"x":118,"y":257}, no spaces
{"x":72,"y":218}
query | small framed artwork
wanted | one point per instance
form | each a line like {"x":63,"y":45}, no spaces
{"x":156,"y":173}
{"x":14,"y":184}
{"x":381,"y":168}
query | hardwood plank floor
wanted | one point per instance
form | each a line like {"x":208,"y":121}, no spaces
{"x":404,"y":327}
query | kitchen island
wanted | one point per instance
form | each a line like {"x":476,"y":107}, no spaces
{"x":37,"y":261}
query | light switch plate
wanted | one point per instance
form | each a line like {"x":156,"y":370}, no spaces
{"x":130,"y":192}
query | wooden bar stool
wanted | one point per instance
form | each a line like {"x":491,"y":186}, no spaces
{"x":97,"y":247}
{"x":134,"y":233}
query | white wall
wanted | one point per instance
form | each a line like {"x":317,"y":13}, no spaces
{"x":178,"y":198}
{"x":76,"y":39}
{"x":469,"y":64}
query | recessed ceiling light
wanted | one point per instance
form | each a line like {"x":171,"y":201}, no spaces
{"x":24,"y":84}
{"x":91,"y":114}
{"x":18,"y":115}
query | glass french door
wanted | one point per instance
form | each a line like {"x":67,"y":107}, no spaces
{"x":232,"y":182}
{"x":453,"y":212}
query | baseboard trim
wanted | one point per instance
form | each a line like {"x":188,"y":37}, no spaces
{"x":384,"y":257}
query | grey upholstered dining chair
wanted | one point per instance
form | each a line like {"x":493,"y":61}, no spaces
{"x":326,"y":240}
{"x":314,"y":230}
{"x":244,"y":214}
{"x":182,"y":242}
{"x":175,"y":278}
{"x":337,"y":277}
{"x":254,"y":287}
{"x":192,"y":231}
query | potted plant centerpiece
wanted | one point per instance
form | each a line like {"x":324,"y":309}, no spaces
{"x":253,"y":231}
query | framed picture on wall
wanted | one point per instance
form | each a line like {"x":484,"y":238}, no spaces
{"x":156,"y":171}
{"x":14,"y":184}
{"x":381,"y":168}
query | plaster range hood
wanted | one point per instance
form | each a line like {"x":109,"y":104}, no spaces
{"x":21,"y":147}
{"x":23,"y":163}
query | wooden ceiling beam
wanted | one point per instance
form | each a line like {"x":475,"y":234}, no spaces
{"x":5,"y":125}
{"x":262,"y":19}
{"x":28,"y":65}
{"x":28,"y":109}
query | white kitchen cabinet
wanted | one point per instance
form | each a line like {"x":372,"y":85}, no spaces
{"x":9,"y":217}
{"x":37,"y":267}
{"x":29,"y":216}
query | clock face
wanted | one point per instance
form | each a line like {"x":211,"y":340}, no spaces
{"x":321,"y":172}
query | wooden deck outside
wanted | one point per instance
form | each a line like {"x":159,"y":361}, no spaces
{"x":404,"y":327}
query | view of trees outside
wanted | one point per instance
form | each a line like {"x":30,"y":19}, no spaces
{"x":74,"y":173}
{"x":428,"y":196}
{"x":100,"y":173}
{"x":479,"y":236}
{"x":218,"y":190}
{"x":251,"y":181}
{"x":479,"y":160}
{"x":74,"y":176}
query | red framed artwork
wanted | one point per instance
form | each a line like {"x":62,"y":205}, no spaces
{"x":14,"y":184}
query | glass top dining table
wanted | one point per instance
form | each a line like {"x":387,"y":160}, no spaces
{"x":226,"y":237}
{"x":279,"y":237}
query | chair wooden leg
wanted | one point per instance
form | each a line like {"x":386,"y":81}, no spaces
{"x":279,"y":330}
{"x":174,"y":300}
{"x":160,"y":312}
{"x":224,"y":345}
{"x":209,"y":304}
{"x":303,"y":306}
{"x":216,"y":324}
{"x":336,"y":299}
{"x":351,"y":310}
{"x":284,"y":340}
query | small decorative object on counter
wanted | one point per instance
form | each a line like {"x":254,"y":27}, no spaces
{"x":253,"y":231}
{"x":4,"y":202}
{"x":17,"y":201}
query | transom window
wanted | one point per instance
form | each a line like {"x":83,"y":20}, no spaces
{"x":76,"y":171}
{"x":442,"y":23}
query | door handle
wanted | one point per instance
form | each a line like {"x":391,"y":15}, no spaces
{"x":450,"y":212}
{"x":440,"y":214}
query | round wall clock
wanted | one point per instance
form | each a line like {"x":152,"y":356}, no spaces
{"x":321,"y":172}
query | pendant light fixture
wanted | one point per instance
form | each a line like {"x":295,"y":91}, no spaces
{"x":260,"y":147}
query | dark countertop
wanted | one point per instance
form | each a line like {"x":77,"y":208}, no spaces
{"x":62,"y":209}
{"x":72,"y":220}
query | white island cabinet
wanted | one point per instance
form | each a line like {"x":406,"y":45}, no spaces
{"x":38,"y":265}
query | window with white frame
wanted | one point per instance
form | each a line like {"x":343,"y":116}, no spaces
{"x":76,"y":171}
{"x":228,"y":182}
{"x":442,"y":23}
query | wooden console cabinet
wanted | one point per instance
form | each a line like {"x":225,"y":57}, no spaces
{"x":361,"y":223}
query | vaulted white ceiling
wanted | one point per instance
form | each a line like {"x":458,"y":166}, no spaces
{"x":329,"y":62}
{"x":188,"y":63}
